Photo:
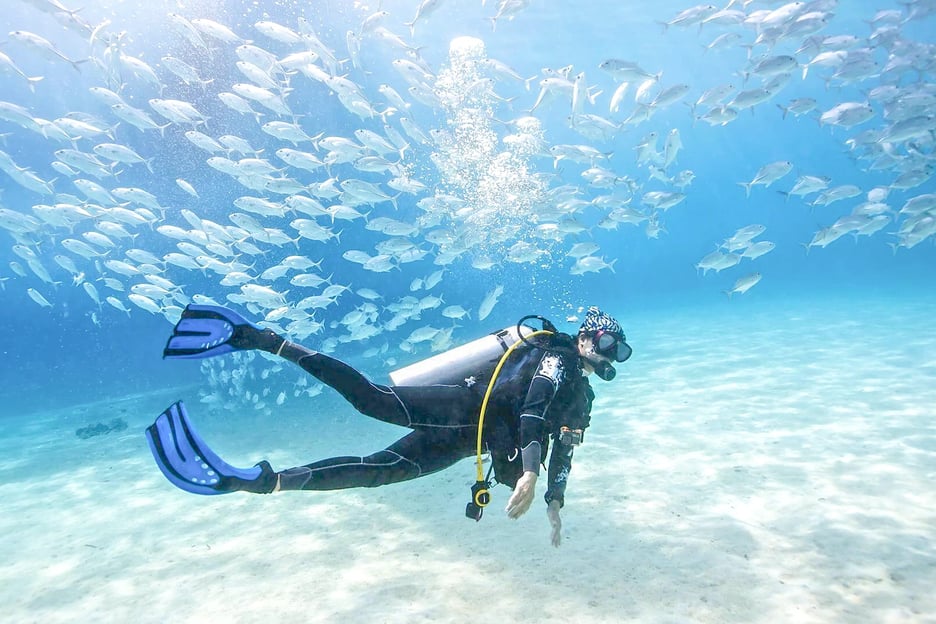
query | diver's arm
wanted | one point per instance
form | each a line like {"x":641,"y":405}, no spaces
{"x":540,"y":394}
{"x":560,"y":464}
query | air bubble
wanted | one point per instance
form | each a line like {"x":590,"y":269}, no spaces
{"x":499,"y":194}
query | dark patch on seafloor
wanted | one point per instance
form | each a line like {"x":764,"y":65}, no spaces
{"x":118,"y":424}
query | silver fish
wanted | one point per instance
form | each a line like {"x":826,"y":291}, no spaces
{"x":767,"y":175}
{"x":489,"y":301}
{"x":744,"y":284}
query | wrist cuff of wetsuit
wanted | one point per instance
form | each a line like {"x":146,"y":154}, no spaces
{"x":549,"y":498}
{"x":531,"y":455}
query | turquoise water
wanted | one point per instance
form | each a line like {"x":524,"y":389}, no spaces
{"x":77,"y":362}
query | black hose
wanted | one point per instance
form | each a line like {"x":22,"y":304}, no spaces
{"x":547,"y":326}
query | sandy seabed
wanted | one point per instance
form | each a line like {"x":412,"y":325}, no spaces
{"x":764,"y":464}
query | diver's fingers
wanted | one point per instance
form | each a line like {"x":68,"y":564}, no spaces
{"x":511,"y":507}
{"x":523,"y":495}
{"x":556,"y":524}
{"x":519,"y":503}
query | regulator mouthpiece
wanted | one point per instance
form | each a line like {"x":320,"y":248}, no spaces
{"x":604,"y":370}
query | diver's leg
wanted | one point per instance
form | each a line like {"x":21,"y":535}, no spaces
{"x":430,"y":406}
{"x":370,"y":399}
{"x":418,"y":453}
{"x":408,"y":406}
{"x":436,"y":405}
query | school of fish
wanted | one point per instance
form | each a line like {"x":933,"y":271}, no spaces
{"x":447,"y":164}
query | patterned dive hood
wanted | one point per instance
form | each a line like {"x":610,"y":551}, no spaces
{"x":596,"y":320}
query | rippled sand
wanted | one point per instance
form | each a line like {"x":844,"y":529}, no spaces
{"x":752,"y":463}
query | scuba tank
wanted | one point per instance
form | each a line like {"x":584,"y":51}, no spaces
{"x":453,"y":367}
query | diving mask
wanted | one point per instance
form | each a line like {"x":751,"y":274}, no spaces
{"x":611,"y":345}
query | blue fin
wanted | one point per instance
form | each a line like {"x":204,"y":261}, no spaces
{"x":185,"y":459}
{"x":204,"y":331}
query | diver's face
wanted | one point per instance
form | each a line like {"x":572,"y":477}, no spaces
{"x":586,"y":349}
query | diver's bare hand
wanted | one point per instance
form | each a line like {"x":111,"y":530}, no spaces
{"x":522,"y":496}
{"x":552,"y":512}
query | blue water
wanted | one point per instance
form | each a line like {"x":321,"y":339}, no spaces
{"x":58,"y":356}
{"x":649,"y":273}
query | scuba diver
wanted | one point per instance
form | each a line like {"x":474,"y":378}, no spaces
{"x":507,"y":394}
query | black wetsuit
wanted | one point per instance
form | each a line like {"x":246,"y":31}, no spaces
{"x":536,"y":393}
